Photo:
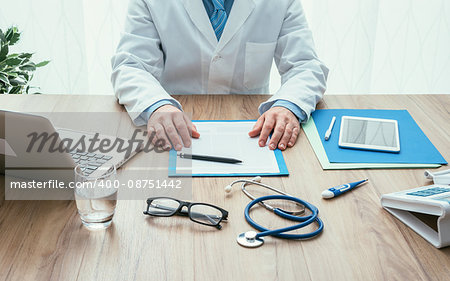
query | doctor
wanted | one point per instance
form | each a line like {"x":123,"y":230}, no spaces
{"x":217,"y":47}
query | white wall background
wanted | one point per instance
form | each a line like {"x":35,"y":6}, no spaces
{"x":371,"y":46}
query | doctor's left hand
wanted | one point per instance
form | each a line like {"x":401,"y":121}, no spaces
{"x":282,"y":122}
{"x":172,"y":126}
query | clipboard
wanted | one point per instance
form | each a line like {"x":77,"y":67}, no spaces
{"x":227,"y":138}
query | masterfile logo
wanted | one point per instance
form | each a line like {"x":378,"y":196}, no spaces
{"x":6,"y":149}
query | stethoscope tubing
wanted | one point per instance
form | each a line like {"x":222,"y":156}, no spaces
{"x":280,"y":233}
{"x":256,"y":181}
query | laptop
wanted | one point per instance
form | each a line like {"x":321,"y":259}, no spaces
{"x":32,"y":148}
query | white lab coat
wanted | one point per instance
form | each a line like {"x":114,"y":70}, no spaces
{"x":169,"y":47}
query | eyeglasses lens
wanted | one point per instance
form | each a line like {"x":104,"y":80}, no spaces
{"x":205,"y":214}
{"x":163,"y":207}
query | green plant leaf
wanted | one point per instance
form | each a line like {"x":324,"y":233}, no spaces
{"x":14,"y":39}
{"x":28,"y":67}
{"x":9,"y":33}
{"x":12,"y":35}
{"x":4,"y":78}
{"x":15,"y":90}
{"x":2,"y":37}
{"x":25,"y":55}
{"x":7,"y":69}
{"x":13,"y":61}
{"x":25,"y":61}
{"x":42,"y":63}
{"x":25,"y":75}
{"x":17,"y":82}
{"x":34,"y":93}
{"x":4,"y":52}
{"x":12,"y":75}
{"x":4,"y":88}
{"x":16,"y":70}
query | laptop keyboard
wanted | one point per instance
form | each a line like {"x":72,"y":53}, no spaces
{"x":94,"y":160}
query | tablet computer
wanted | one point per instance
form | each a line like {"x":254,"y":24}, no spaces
{"x":369,"y":134}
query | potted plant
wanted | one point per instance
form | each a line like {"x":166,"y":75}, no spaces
{"x":16,"y":70}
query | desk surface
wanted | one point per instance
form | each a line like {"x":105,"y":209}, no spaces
{"x":46,"y":241}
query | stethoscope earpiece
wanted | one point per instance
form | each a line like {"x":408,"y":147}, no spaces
{"x":257,"y":179}
{"x":228,"y":188}
{"x":254,"y":180}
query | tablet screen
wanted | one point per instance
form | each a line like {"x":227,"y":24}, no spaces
{"x":369,"y":132}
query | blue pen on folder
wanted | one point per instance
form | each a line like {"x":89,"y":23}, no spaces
{"x":338,"y":190}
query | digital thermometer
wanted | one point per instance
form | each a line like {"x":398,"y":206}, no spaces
{"x":338,"y":190}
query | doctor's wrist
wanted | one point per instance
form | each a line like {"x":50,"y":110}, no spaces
{"x":172,"y":128}
{"x":292,"y":107}
{"x":167,"y":108}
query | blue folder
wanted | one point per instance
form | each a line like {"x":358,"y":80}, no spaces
{"x":278,"y":155}
{"x":415,"y":147}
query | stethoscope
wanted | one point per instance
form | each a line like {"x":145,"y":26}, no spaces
{"x":253,"y":239}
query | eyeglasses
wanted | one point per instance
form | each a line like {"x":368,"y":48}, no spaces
{"x":201,"y":213}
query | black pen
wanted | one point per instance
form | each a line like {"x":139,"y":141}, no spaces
{"x":209,"y":158}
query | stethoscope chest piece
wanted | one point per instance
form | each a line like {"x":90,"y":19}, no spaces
{"x":248,"y":239}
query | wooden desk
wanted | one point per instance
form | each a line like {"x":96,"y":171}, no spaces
{"x":361,"y":241}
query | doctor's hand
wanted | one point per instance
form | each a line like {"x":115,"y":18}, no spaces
{"x":172,"y":126}
{"x":282,"y":122}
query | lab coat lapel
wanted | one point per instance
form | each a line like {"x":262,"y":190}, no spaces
{"x":198,"y":15}
{"x":239,"y":13}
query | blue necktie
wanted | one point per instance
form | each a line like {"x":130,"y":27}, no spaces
{"x":218,"y":18}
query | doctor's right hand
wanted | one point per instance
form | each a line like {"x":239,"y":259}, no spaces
{"x":172,"y":126}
